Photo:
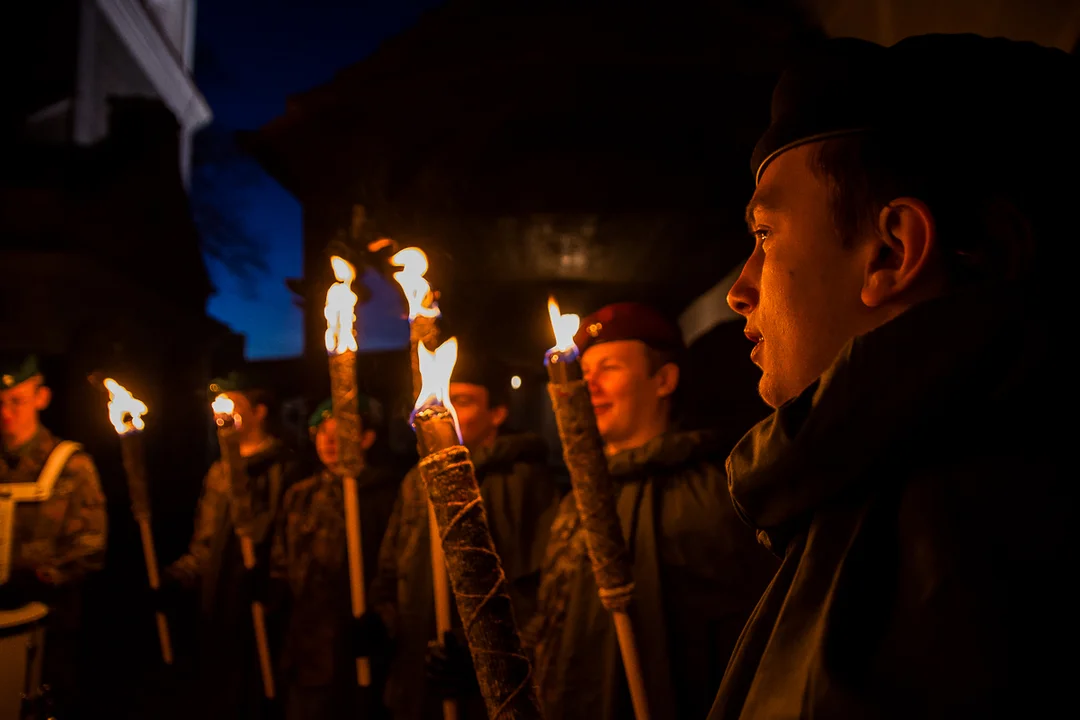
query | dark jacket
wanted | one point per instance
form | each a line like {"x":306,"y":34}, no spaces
{"x":520,"y":501}
{"x":697,"y":573}
{"x":916,"y":493}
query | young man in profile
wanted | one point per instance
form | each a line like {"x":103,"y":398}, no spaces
{"x":913,"y":229}
{"x":697,"y":569}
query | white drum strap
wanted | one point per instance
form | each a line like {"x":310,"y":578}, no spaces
{"x":13,"y":493}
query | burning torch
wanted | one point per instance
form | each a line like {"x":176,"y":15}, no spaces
{"x":341,"y":346}
{"x":503,"y":671}
{"x":232,"y":464}
{"x":125,"y":413}
{"x":423,"y":332}
{"x":594,"y":492}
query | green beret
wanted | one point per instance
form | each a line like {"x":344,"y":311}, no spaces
{"x":325,"y":411}
{"x":19,"y":369}
{"x":370,"y":411}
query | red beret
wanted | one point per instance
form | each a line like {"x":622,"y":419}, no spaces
{"x":629,"y":321}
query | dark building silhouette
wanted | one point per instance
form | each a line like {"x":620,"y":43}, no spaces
{"x":103,"y":272}
{"x":595,"y":153}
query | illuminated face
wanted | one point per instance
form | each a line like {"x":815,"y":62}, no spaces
{"x":19,"y":410}
{"x":326,"y":442}
{"x":630,"y":402}
{"x":800,"y":289}
{"x":252,"y":419}
{"x":479,"y":422}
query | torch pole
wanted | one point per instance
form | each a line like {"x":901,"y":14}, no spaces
{"x":503,"y":671}
{"x":347,"y":413}
{"x":594,"y":494}
{"x":131,"y":449}
{"x":233,"y":467}
{"x":424,"y":329}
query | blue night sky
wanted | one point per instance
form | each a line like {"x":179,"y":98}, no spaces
{"x":252,"y":55}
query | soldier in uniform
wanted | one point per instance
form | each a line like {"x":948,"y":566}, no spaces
{"x":230,"y":681}
{"x":520,"y":499}
{"x":698,"y":571}
{"x":909,"y":293}
{"x":53,"y":522}
{"x":309,"y":564}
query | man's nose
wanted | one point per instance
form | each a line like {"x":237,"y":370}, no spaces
{"x":743,"y":295}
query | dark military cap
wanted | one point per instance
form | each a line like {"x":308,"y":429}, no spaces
{"x":17,"y":369}
{"x":370,"y":411}
{"x":233,"y":382}
{"x":476,"y":367}
{"x":629,"y":321}
{"x":967,"y":96}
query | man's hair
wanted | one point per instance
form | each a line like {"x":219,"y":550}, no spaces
{"x":266,"y":398}
{"x":984,"y":228}
{"x":657,"y":359}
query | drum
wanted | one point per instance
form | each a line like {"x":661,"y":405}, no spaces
{"x":22,"y":642}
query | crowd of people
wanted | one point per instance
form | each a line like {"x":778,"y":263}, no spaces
{"x":892,"y":541}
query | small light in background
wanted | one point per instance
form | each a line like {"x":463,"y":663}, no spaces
{"x":515,"y":382}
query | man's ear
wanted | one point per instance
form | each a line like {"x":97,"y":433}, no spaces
{"x":667,"y":378}
{"x":42,"y":397}
{"x":367,"y":439}
{"x":903,"y":253}
{"x":261,"y":412}
{"x":499,"y":413}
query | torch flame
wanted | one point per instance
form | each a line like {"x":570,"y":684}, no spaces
{"x":435,"y":371}
{"x":125,"y":412}
{"x":564,"y":327}
{"x":224,"y":405}
{"x":340,"y":310}
{"x":414,"y":263}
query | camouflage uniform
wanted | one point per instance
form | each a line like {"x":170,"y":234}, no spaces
{"x":215,"y":566}
{"x":62,"y":538}
{"x":520,"y":500}
{"x":309,"y":553}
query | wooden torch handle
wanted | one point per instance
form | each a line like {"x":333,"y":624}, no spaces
{"x":356,"y":570}
{"x":442,"y":597}
{"x":632,"y":664}
{"x":258,"y":618}
{"x":155,"y":582}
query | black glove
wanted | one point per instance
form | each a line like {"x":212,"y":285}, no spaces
{"x":370,"y":637}
{"x":449,"y":668}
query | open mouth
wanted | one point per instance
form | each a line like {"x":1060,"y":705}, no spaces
{"x":756,"y":338}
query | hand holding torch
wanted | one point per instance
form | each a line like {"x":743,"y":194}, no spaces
{"x":125,"y":414}
{"x":423,"y":331}
{"x":503,"y":671}
{"x":341,"y":346}
{"x":594,"y":493}
{"x":232,"y":464}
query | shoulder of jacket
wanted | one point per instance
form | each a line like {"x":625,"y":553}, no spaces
{"x":299,"y":489}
